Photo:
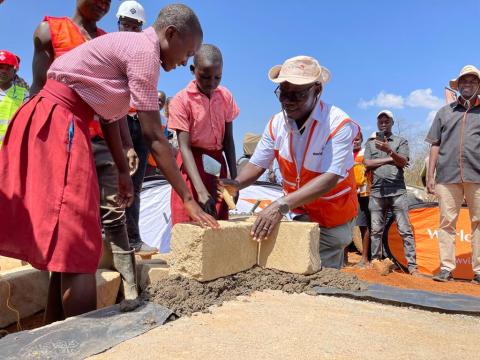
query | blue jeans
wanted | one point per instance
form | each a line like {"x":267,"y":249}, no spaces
{"x":378,"y":210}
{"x":141,"y":148}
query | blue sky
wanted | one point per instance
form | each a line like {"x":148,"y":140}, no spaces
{"x":382,"y":54}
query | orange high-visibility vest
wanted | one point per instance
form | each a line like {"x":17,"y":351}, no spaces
{"x":66,"y":35}
{"x":340,"y":204}
{"x":361,"y":174}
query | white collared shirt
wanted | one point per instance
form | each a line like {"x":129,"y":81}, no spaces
{"x":336,"y":155}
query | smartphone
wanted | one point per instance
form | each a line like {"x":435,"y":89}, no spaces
{"x":380,"y":136}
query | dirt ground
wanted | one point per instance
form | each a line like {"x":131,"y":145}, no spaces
{"x":186,"y":296}
{"x":276,"y":325}
{"x":406,"y":281}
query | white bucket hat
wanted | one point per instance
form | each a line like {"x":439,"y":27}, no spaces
{"x":299,"y":70}
{"x":467,"y":69}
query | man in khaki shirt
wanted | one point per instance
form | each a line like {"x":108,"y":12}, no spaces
{"x":454,"y":155}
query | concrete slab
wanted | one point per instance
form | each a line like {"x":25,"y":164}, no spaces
{"x":150,"y":271}
{"x":108,"y":284}
{"x":7,"y":263}
{"x":206,"y":254}
{"x":25,"y":289}
{"x":292,"y":247}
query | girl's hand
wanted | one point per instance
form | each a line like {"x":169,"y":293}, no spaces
{"x":199,"y":216}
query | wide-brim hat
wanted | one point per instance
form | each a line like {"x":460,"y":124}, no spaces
{"x":466,"y":70}
{"x":299,"y":70}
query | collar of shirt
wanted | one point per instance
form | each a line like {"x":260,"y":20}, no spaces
{"x":151,"y":35}
{"x":314,"y":116}
{"x":461,"y":102}
{"x":192,"y":88}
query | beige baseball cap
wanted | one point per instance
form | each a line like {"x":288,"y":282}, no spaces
{"x":385,"y":112}
{"x":467,"y":69}
{"x":299,"y":70}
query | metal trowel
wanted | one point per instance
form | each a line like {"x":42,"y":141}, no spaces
{"x":212,"y":167}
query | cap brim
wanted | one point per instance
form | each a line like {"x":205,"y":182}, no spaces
{"x":274,"y":73}
{"x":384,"y":112}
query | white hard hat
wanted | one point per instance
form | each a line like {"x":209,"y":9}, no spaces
{"x":133,"y":10}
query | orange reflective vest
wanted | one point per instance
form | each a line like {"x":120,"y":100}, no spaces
{"x":340,"y":204}
{"x":361,"y":174}
{"x":66,"y":35}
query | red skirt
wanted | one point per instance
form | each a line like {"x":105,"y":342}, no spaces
{"x":179,"y":214}
{"x":49,"y":197}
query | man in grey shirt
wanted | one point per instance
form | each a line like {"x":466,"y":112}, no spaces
{"x":455,"y":156}
{"x":387,"y":156}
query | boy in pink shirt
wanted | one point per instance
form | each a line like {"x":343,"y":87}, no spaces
{"x":202,"y":116}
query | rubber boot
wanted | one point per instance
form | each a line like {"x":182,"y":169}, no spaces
{"x":124,"y":262}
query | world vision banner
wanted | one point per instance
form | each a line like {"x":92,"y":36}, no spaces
{"x":425,"y":222}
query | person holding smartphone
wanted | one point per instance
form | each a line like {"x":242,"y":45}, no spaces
{"x":386,"y":156}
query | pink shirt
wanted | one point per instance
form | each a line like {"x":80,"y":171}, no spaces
{"x":113,"y":72}
{"x":203,"y":118}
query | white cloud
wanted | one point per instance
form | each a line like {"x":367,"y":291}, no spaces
{"x":423,"y":98}
{"x":420,"y":98}
{"x":383,"y":100}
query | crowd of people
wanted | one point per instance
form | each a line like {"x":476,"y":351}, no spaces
{"x":93,"y":112}
{"x":453,"y":176}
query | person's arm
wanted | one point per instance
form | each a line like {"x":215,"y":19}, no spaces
{"x":401,"y":155}
{"x":248,"y":175}
{"x":133,"y":160}
{"x":432,"y":163}
{"x":42,"y":57}
{"x":111,"y":134}
{"x":229,"y":150}
{"x":260,"y":161}
{"x":160,"y":148}
{"x":399,"y":160}
{"x":333,"y":167}
{"x":434,"y":137}
{"x":372,"y":164}
{"x":204,"y":197}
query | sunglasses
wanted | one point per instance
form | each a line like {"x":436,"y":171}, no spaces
{"x":294,"y":96}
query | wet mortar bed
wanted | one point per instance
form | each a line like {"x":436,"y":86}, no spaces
{"x":186,"y":296}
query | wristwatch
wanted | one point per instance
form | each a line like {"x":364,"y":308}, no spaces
{"x":283,"y":209}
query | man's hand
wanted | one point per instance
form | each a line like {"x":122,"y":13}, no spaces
{"x":266,"y":221}
{"x":199,"y":216}
{"x":125,"y":190}
{"x":207,"y":203}
{"x":431,"y":185}
{"x":383,"y":146}
{"x":232,"y":186}
{"x":133,"y":160}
